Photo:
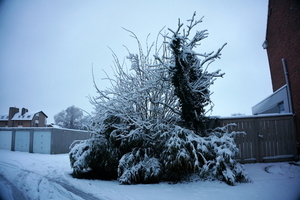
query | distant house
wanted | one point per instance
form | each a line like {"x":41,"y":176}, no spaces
{"x":23,"y":118}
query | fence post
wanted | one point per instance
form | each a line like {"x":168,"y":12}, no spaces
{"x":294,"y":138}
{"x":257,"y":142}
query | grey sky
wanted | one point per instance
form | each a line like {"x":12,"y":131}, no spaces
{"x":47,"y":48}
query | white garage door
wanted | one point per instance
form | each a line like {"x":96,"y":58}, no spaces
{"x":22,"y":141}
{"x":42,"y":142}
{"x":5,"y":140}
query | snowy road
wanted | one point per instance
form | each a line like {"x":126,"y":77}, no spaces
{"x":42,"y":176}
{"x":9,"y":191}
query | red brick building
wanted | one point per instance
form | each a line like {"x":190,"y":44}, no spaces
{"x":283,"y":48}
{"x":23,"y":118}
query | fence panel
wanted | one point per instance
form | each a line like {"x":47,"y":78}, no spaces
{"x":268,"y":137}
{"x":246,"y":143}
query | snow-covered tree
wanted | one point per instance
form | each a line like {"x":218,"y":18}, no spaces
{"x":189,"y":74}
{"x":150,"y":125}
{"x":71,"y":118}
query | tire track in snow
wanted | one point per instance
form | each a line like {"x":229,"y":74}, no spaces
{"x":15,"y":192}
{"x":75,"y":191}
{"x":68,"y":188}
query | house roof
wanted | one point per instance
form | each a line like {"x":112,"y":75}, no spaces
{"x":3,"y":117}
{"x":43,"y":113}
{"x":26,"y":116}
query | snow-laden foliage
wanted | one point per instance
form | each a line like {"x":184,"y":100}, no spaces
{"x":140,"y":97}
{"x":95,"y":154}
{"x":163,"y":153}
{"x":189,"y":75}
{"x":137,"y":167}
{"x":150,"y":125}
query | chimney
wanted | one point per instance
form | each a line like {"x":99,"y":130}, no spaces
{"x":12,"y":112}
{"x":24,"y":110}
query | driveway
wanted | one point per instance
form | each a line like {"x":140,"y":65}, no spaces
{"x":8,"y":191}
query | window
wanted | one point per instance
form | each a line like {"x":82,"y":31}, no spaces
{"x":28,"y":116}
{"x":20,"y":124}
{"x":281,"y":107}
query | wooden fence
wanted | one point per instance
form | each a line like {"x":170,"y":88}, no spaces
{"x":268,"y":138}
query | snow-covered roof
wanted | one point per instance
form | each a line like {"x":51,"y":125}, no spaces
{"x":53,"y":125}
{"x":25,"y":116}
{"x":3,"y":117}
{"x":257,"y":116}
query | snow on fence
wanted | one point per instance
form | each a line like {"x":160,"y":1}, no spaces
{"x":268,"y":138}
{"x":40,"y":140}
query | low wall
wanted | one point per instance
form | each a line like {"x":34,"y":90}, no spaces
{"x":40,"y":140}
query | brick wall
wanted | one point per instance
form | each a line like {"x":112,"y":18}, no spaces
{"x":283,"y":37}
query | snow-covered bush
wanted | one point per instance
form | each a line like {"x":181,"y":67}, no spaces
{"x":137,"y":167}
{"x":212,"y":157}
{"x":95,"y":154}
{"x":78,"y":155}
{"x":218,"y":151}
{"x":150,"y":125}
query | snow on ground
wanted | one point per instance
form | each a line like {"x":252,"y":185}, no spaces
{"x":42,"y":176}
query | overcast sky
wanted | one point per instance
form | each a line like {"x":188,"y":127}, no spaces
{"x":47,"y":48}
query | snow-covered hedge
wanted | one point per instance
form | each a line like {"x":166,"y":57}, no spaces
{"x":166,"y":153}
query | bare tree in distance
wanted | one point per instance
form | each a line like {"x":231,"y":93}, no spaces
{"x":71,"y":118}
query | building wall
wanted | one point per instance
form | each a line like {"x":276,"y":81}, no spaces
{"x":42,"y":120}
{"x":3,"y":123}
{"x":63,"y":138}
{"x":40,"y":140}
{"x":20,"y":123}
{"x":283,"y":38}
{"x":283,"y":34}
